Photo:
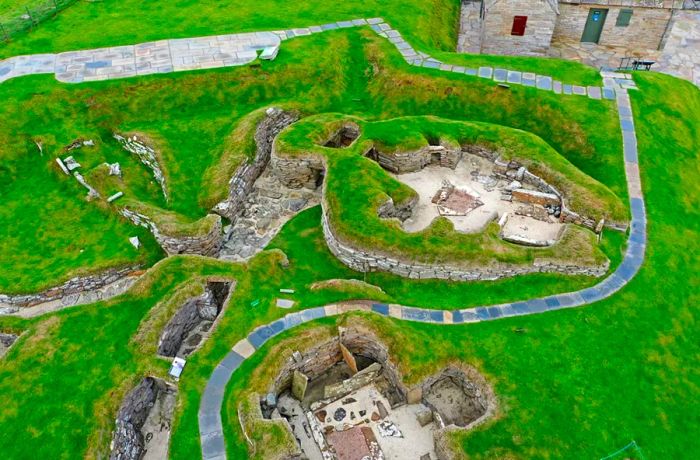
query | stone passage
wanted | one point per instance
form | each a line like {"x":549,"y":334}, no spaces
{"x":144,"y":59}
{"x":143,"y":422}
{"x":76,"y":291}
{"x":195,"y":319}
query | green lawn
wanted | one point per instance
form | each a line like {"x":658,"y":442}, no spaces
{"x":196,"y":117}
{"x":575,"y":384}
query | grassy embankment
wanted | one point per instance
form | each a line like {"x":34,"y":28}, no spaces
{"x":195,"y":127}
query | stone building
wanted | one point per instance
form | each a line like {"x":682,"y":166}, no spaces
{"x":596,"y":32}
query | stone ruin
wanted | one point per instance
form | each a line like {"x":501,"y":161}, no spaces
{"x":194,"y":320}
{"x":344,"y":137}
{"x":345,"y":399}
{"x":144,"y":422}
{"x":6,"y":341}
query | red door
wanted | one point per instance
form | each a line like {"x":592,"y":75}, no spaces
{"x":519,"y":23}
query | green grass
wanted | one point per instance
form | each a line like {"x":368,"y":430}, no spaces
{"x":196,"y":122}
{"x":431,"y":24}
{"x":577,"y":384}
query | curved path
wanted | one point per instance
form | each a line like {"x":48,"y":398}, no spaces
{"x":238,"y":49}
{"x":210,"y":426}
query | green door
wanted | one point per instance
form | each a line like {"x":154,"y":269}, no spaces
{"x":594,"y":25}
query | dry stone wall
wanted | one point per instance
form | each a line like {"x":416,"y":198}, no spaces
{"x":245,"y":176}
{"x":147,"y":155}
{"x":298,"y":173}
{"x":498,"y":22}
{"x":128,"y":442}
{"x":207,"y":244}
{"x":645,"y":30}
{"x":316,"y":361}
{"x":74,"y":287}
{"x":405,"y":162}
{"x":367,"y":260}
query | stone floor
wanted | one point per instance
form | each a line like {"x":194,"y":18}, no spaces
{"x":475,"y":175}
{"x":269,"y":206}
{"x":361,"y":408}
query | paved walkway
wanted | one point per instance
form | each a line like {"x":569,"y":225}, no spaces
{"x":238,"y":49}
{"x":615,"y":87}
{"x":217,"y":51}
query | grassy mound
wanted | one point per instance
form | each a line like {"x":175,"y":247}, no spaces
{"x":356,"y":186}
{"x":201,"y":132}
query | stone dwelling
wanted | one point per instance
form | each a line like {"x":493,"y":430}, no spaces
{"x":596,"y":32}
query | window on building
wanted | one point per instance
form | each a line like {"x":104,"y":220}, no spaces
{"x":519,"y":23}
{"x":623,"y":18}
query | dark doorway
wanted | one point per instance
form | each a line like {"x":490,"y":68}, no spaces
{"x":594,"y":25}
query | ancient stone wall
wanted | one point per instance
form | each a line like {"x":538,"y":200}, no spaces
{"x":245,"y":176}
{"x":368,"y":260}
{"x":298,"y":173}
{"x":207,"y":245}
{"x":406,"y":162}
{"x":389,"y":210}
{"x":194,"y":311}
{"x":645,"y":30}
{"x":513,"y":170}
{"x":147,"y":156}
{"x":74,"y":287}
{"x":498,"y":22}
{"x":316,"y":361}
{"x":127,"y":441}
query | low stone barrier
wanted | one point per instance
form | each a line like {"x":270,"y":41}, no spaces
{"x":242,"y":182}
{"x":69,"y":291}
{"x":207,"y":244}
{"x":147,"y":155}
{"x":365,"y":260}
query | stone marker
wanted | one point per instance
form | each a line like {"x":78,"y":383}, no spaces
{"x":63,"y":167}
{"x":115,"y":197}
{"x":287,"y":291}
{"x":299,"y":384}
{"x":348,"y":358}
{"x":134,"y":240}
{"x":285,"y":303}
{"x":424,"y":416}
{"x":115,"y":170}
{"x":414,"y":395}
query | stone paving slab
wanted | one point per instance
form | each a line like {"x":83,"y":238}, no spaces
{"x":544,"y":82}
{"x":515,"y":77}
{"x":500,"y":75}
